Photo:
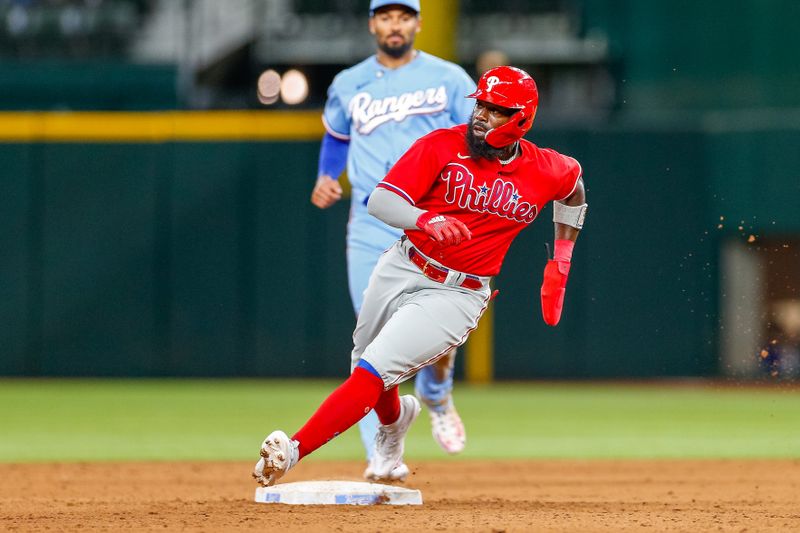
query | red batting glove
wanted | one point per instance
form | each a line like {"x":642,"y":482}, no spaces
{"x":554,"y":287}
{"x":447,"y":231}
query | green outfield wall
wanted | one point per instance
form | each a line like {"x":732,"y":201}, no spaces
{"x":690,"y":55}
{"x":205,"y":258}
{"x":86,"y":85}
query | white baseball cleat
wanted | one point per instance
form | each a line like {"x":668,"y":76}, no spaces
{"x":279,"y":453}
{"x":398,"y":473}
{"x":390,"y":442}
{"x":448,"y":429}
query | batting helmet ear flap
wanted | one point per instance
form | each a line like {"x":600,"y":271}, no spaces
{"x":513,"y":130}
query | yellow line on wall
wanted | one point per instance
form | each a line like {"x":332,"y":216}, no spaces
{"x":160,"y":126}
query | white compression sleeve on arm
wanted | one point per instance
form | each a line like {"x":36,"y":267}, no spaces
{"x":392,"y":209}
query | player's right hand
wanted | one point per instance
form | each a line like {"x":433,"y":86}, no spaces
{"x":447,"y":231}
{"x":326,"y":192}
{"x":554,"y":287}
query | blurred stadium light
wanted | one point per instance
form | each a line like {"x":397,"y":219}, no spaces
{"x":294,"y":87}
{"x":269,"y":87}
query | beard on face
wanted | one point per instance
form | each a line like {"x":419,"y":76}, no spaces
{"x":479,"y":147}
{"x":396,"y":51}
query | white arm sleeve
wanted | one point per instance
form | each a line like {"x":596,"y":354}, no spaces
{"x":393,"y":209}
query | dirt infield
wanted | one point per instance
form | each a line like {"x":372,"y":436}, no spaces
{"x":459,"y":495}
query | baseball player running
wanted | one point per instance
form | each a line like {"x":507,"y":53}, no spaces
{"x":374,"y":111}
{"x":462,"y":195}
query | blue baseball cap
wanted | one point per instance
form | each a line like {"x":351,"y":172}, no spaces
{"x":377,"y":4}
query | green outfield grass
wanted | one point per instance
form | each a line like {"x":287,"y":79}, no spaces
{"x":90,"y":420}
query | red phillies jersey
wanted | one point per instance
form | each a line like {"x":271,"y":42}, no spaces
{"x":495,"y":201}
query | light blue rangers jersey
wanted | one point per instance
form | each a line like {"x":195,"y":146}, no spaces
{"x":382,"y":111}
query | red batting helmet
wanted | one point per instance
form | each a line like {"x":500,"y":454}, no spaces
{"x":513,"y":88}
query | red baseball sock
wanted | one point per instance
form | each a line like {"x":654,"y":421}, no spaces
{"x":388,"y":406}
{"x":344,"y":407}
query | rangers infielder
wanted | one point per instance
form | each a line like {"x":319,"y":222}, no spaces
{"x":373,"y":113}
{"x":462,"y":195}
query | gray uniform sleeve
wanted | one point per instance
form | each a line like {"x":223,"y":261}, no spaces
{"x":392,"y":209}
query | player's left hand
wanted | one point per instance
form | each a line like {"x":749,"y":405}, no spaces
{"x":554,"y":287}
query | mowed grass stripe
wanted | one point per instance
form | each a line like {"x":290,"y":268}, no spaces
{"x":104,"y":420}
